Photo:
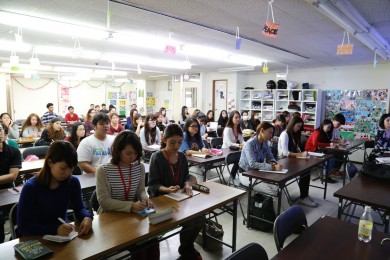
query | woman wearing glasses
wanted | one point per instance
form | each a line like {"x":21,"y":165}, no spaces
{"x":192,"y":141}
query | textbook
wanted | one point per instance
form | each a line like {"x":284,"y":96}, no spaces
{"x":32,"y":249}
{"x":61,"y":239}
{"x":144,"y":212}
{"x":179,"y":195}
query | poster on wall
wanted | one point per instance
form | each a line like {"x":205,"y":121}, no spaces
{"x":122,"y":110}
{"x":113,"y":102}
{"x":64,"y":100}
{"x":362,"y":110}
{"x":112,"y":95}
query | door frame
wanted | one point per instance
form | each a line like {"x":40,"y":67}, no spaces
{"x":213,"y":98}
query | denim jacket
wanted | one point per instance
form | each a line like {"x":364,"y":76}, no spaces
{"x":256,"y":155}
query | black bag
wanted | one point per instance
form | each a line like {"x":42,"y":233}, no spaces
{"x":305,"y":86}
{"x":380,"y":172}
{"x":282,"y":84}
{"x":262,"y":206}
{"x":214,"y":229}
{"x":271,"y":84}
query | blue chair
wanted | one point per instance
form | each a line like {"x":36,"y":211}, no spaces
{"x":250,"y":251}
{"x":287,"y":223}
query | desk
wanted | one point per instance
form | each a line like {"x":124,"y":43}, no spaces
{"x":366,"y":191}
{"x":295,"y":166}
{"x":32,"y":166}
{"x":330,"y":238}
{"x":208,"y":162}
{"x":109,"y":229}
{"x":25,"y":141}
{"x":345,"y":150}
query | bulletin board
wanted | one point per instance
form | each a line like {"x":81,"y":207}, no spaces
{"x":362,"y":110}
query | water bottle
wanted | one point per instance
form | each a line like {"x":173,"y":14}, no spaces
{"x":365,"y":225}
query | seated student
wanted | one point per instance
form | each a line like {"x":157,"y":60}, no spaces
{"x":184,"y":114}
{"x":286,"y":115}
{"x":321,"y":138}
{"x":383,"y":136}
{"x":10,"y":142}
{"x":159,"y":123}
{"x":169,"y":173}
{"x":223,"y":119}
{"x":257,"y":155}
{"x":288,"y":146}
{"x":195,"y":113}
{"x":201,"y":117}
{"x":192,"y":141}
{"x":103,"y":109}
{"x":129,"y":120}
{"x":97,"y":109}
{"x":95,"y":150}
{"x":46,"y":197}
{"x":115,"y":125}
{"x":136,"y":124}
{"x":13,"y":128}
{"x":209,"y":117}
{"x":53,"y":132}
{"x":245,"y":123}
{"x":76,"y":135}
{"x":232,"y":133}
{"x":150,"y":134}
{"x":120,"y":184}
{"x":49,"y":115}
{"x":71,"y":117}
{"x":337,"y":121}
{"x":254,"y":120}
{"x":279,"y":122}
{"x":32,"y":127}
{"x":88,"y":122}
{"x":10,"y":164}
{"x":165,"y":119}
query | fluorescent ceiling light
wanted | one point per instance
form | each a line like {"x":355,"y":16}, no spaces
{"x":159,"y":76}
{"x":12,"y":46}
{"x":142,"y":40}
{"x":111,"y":72}
{"x":65,"y":52}
{"x":72,"y":69}
{"x":245,"y":60}
{"x":236,"y":69}
{"x":52,"y":26}
{"x":27,"y":66}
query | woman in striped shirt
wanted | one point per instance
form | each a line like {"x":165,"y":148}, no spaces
{"x":120,"y":184}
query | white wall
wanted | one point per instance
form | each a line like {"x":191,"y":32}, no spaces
{"x":347,"y":77}
{"x":3,"y":94}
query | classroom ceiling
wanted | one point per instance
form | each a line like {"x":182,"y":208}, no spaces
{"x":306,"y":37}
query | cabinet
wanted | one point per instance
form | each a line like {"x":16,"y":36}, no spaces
{"x":269,"y":103}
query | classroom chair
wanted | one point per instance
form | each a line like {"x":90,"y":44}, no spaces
{"x":12,"y":222}
{"x":250,"y":251}
{"x":290,"y":221}
{"x":367,"y":145}
{"x":93,"y":203}
{"x":39,"y":151}
{"x":216,"y":142}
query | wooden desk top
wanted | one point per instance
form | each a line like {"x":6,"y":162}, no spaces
{"x":211,"y":159}
{"x":26,"y":140}
{"x":115,"y":231}
{"x":353,"y":143}
{"x":330,"y":238}
{"x":366,"y":191}
{"x":295,"y":166}
{"x":32,"y":166}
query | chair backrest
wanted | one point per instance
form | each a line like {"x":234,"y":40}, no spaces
{"x":287,"y":223}
{"x":250,"y":251}
{"x":39,"y":151}
{"x":12,"y":222}
{"x":232,"y":158}
{"x":216,"y":142}
{"x":93,"y":203}
{"x":20,"y":121}
{"x":77,"y":170}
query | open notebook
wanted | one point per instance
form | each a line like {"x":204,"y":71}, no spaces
{"x":61,"y":239}
{"x":179,"y":196}
{"x":213,"y":125}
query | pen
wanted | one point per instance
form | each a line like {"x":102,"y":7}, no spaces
{"x":15,"y":189}
{"x":62,"y":221}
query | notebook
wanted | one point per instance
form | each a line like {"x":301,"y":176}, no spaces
{"x":179,"y":196}
{"x":200,"y":155}
{"x":213,"y":125}
{"x":284,"y":171}
{"x":61,"y":239}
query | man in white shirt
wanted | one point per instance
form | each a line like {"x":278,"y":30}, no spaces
{"x":95,"y":150}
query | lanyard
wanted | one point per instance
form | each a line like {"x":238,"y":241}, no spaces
{"x":127,"y":189}
{"x":177,"y":175}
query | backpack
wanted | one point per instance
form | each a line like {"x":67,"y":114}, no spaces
{"x":351,"y":170}
{"x":262,"y":206}
{"x":282,"y":84}
{"x":271,"y":84}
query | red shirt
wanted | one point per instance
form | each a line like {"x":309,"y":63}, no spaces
{"x":112,"y":130}
{"x":69,"y":117}
{"x":313,"y":143}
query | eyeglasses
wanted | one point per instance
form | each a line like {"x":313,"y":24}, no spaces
{"x":194,"y":126}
